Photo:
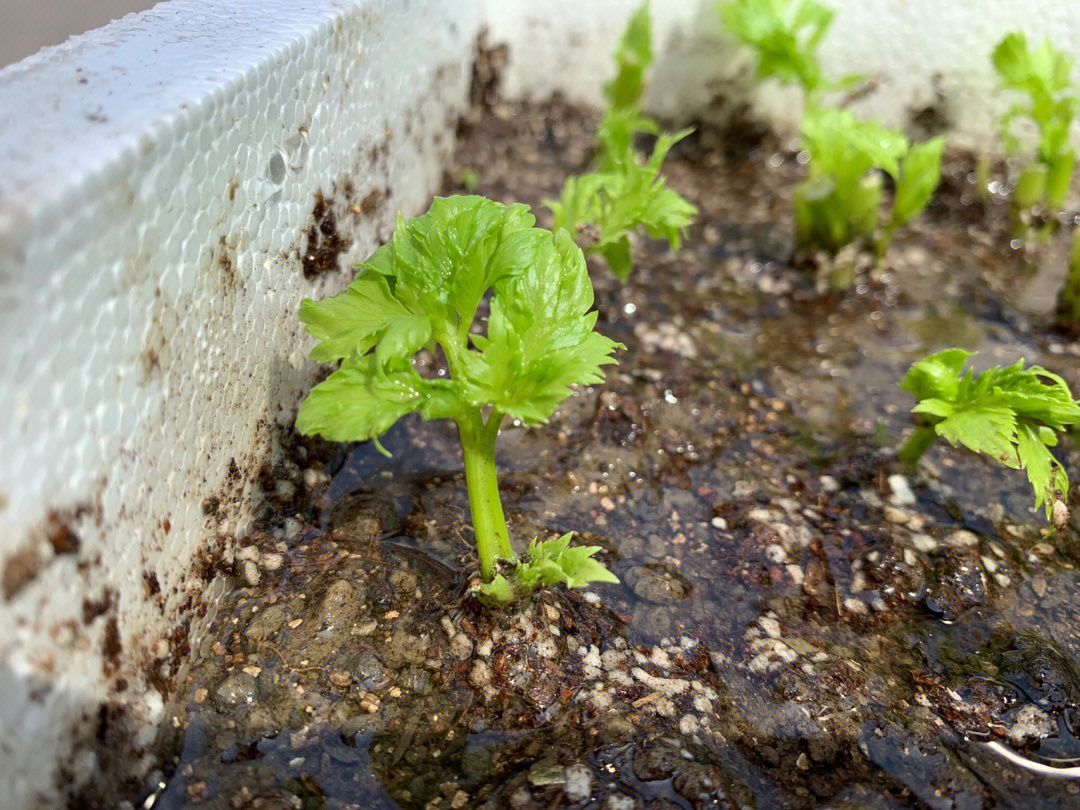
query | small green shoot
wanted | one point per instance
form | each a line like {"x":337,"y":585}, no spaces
{"x":469,"y":180}
{"x":627,"y":193}
{"x":920,"y":174}
{"x":1012,"y":414}
{"x":633,"y":56}
{"x":1043,"y":74}
{"x":786,"y":35}
{"x":839,"y":202}
{"x":1068,"y":303}
{"x":601,"y":210}
{"x":623,"y":119}
{"x":550,"y":562}
{"x":615,"y":136}
{"x":423,"y":290}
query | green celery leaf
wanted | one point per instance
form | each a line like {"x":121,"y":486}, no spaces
{"x":617,"y":255}
{"x":497,"y":592}
{"x":616,"y":133}
{"x":352,"y":322}
{"x":362,"y":400}
{"x":540,"y":338}
{"x":936,"y":376}
{"x":446,"y":259}
{"x":555,"y":561}
{"x":1047,"y":476}
{"x":1011,"y":58}
{"x":403,"y":337}
{"x":919,"y":177}
{"x":984,"y":428}
{"x":841,"y":146}
{"x":1011,"y":414}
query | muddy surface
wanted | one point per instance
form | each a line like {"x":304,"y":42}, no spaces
{"x":802,"y":622}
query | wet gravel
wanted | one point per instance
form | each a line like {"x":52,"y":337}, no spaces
{"x":801,"y":621}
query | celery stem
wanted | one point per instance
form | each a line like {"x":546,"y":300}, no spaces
{"x":489,"y":524}
{"x":919,"y":443}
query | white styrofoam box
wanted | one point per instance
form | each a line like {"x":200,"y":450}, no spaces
{"x":915,"y":49}
{"x":157,"y":184}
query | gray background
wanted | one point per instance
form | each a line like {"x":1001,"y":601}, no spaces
{"x":29,"y":25}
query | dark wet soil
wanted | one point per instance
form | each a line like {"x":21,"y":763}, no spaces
{"x":802,"y":622}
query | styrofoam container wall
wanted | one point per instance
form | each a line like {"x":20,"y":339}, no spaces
{"x":158,"y":180}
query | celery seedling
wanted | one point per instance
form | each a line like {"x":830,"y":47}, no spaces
{"x":423,"y":289}
{"x":1068,"y":303}
{"x":633,"y":55}
{"x":623,"y":118}
{"x":1043,"y":74}
{"x":550,"y":563}
{"x":601,"y":210}
{"x":786,"y":35}
{"x":839,"y":202}
{"x":617,"y":203}
{"x":1012,"y":414}
{"x":920,"y":173}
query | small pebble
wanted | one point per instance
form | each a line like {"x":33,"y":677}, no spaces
{"x":901,"y":491}
{"x":315,"y":478}
{"x":1038,"y":584}
{"x":521,"y":798}
{"x":775,"y":553}
{"x":770,"y":625}
{"x":894,"y":514}
{"x":924,"y":543}
{"x":1032,"y":723}
{"x":480,"y":675}
{"x":546,"y":647}
{"x":461,"y":646}
{"x":689,"y":725}
{"x":250,"y":572}
{"x":962,"y":538}
{"x":579,"y":783}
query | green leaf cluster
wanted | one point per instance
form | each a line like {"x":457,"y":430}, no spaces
{"x":423,"y":288}
{"x":1042,"y":73}
{"x":786,"y":35}
{"x":1068,"y":303}
{"x":1012,"y":414}
{"x":627,"y":193}
{"x":611,"y":205}
{"x":549,"y":563}
{"x":840,"y":200}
